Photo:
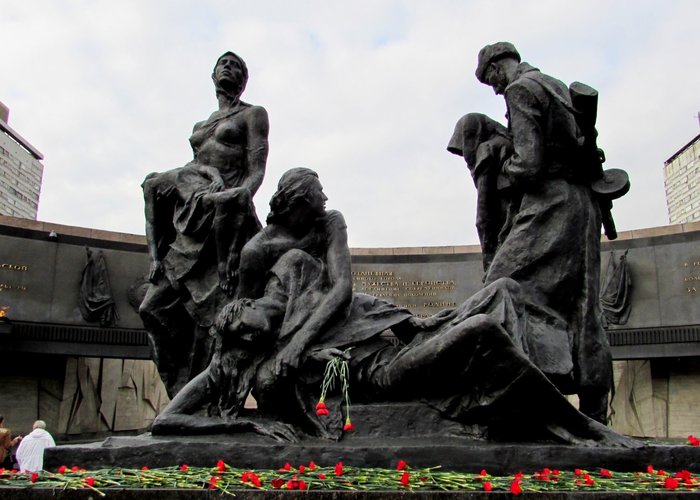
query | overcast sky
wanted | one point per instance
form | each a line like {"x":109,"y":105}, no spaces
{"x":364,"y":92}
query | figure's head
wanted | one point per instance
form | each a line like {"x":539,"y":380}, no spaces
{"x":230,"y":75}
{"x":298,"y":188}
{"x":472,"y":130}
{"x":495,"y":63}
{"x":39,"y":424}
{"x":250,"y":319}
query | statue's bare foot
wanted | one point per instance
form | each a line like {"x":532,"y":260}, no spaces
{"x":594,"y":434}
{"x":228,"y":280}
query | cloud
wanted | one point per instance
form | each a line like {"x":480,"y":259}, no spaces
{"x":366,"y":93}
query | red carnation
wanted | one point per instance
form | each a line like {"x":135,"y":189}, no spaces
{"x":75,"y":468}
{"x":90,"y":481}
{"x":693,"y":441}
{"x":34,"y":477}
{"x":144,"y":468}
{"x":277,"y":483}
{"x":212,"y":482}
{"x":255,"y":480}
{"x":302,"y":468}
{"x":321,"y":408}
{"x":286,"y":467}
{"x":401,"y":465}
{"x":670,"y":483}
{"x":605,"y":473}
{"x":650,"y":469}
{"x":322,"y":476}
{"x":405,"y":479}
{"x":302,"y":485}
{"x":184,"y":467}
{"x":312,"y":465}
{"x":339,"y":469}
{"x":515,"y":488}
{"x":348,"y":427}
{"x":62,"y":469}
{"x":487,"y":486}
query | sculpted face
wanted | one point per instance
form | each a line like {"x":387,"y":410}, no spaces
{"x":496,"y":78}
{"x":317,"y":198}
{"x":255,"y":318}
{"x":228,"y":71}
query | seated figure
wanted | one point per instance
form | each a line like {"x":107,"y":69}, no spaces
{"x":198,"y":217}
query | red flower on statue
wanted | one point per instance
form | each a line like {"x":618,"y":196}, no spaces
{"x":401,"y":465}
{"x":348,"y":427}
{"x":321,"y":408}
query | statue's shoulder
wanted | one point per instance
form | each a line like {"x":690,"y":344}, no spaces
{"x":253,"y":109}
{"x":334,"y":220}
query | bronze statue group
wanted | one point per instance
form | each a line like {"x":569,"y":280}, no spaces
{"x":234,"y":308}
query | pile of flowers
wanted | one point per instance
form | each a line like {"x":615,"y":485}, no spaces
{"x":402,"y":477}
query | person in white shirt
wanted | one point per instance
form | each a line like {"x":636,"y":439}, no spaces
{"x":30,"y":453}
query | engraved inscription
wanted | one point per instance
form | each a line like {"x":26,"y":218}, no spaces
{"x":4,"y":266}
{"x":432,"y":294}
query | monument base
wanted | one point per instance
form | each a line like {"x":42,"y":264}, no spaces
{"x":254,"y":452}
{"x":385,"y":434}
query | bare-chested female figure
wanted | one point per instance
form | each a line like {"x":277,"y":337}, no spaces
{"x":198,"y":217}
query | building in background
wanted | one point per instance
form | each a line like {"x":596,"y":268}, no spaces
{"x":682,"y":183}
{"x":20,"y":172}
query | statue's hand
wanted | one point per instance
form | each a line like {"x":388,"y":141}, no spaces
{"x":279,"y":431}
{"x":156,"y":271}
{"x":328,"y":354}
{"x":217,"y":184}
{"x":287,"y":361}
